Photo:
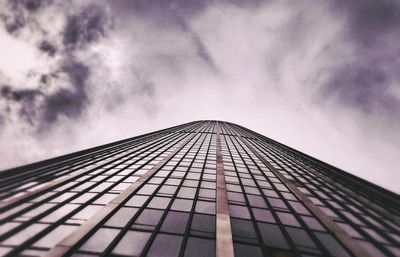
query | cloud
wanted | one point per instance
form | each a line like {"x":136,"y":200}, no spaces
{"x":58,"y":88}
{"x":85,"y":27}
{"x":312,"y":75}
{"x":72,"y":102}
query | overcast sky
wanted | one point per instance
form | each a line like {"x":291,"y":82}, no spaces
{"x":320,"y":76}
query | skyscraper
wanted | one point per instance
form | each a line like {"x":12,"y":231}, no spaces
{"x":204,"y":188}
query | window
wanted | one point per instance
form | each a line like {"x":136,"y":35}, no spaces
{"x":331,"y":245}
{"x":237,"y":197}
{"x":277,"y":203}
{"x":52,"y":238}
{"x":100,"y":240}
{"x":60,"y":213}
{"x":243,"y":250}
{"x":105,"y":199}
{"x":238,"y":211}
{"x":263,"y":215}
{"x":207,"y":193}
{"x":137,"y":200}
{"x":121,"y":217}
{"x":87,"y":212}
{"x":165,"y":245}
{"x":272,"y":236}
{"x":204,"y":223}
{"x":25,"y":234}
{"x":257,"y":201}
{"x":313,"y":223}
{"x":149,"y":218}
{"x":182,"y":205}
{"x":243,"y":230}
{"x":132,"y":243}
{"x":199,"y":247}
{"x":205,"y":207}
{"x":159,"y":202}
{"x":175,"y":222}
{"x":187,"y":192}
{"x":168,"y":190}
{"x":147,"y":189}
{"x":288,"y":219}
{"x":300,"y":237}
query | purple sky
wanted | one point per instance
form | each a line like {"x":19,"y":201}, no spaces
{"x":320,"y":76}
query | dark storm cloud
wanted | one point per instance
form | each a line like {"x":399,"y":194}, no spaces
{"x":85,"y":27}
{"x":20,"y":12}
{"x":48,"y":48}
{"x":25,"y":101}
{"x":61,"y":92}
{"x":364,"y":88}
{"x":41,"y":109}
{"x":364,"y":80}
{"x":369,"y":19}
{"x":68,"y":102}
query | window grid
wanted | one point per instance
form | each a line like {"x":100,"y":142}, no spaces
{"x":157,"y":193}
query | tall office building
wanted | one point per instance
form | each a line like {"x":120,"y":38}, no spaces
{"x":203,"y":188}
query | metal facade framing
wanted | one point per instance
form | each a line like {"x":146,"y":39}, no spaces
{"x":206,"y":188}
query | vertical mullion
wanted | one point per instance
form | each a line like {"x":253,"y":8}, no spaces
{"x":224,"y":231}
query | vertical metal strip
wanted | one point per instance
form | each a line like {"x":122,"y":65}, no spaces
{"x":224,"y":231}
{"x":340,"y":234}
{"x":64,"y":246}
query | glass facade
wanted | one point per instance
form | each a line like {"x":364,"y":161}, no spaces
{"x":204,"y":188}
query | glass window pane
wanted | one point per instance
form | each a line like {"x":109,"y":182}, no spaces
{"x":300,"y":237}
{"x":272,"y":236}
{"x":257,"y":201}
{"x":313,"y":223}
{"x":187,"y":192}
{"x":165,"y":245}
{"x":202,"y":222}
{"x":168,"y":190}
{"x":137,"y":200}
{"x":175,"y":222}
{"x":52,"y":238}
{"x":105,"y":199}
{"x":331,"y":245}
{"x":132,"y":243}
{"x":87,"y":212}
{"x":198,"y":247}
{"x":182,"y":205}
{"x":207,"y":193}
{"x":149,"y":217}
{"x":60,"y":213}
{"x":277,"y":203}
{"x":147,"y":189}
{"x":238,"y":211}
{"x":121,"y":217}
{"x":263,"y":215}
{"x":205,"y":207}
{"x":237,"y":197}
{"x":288,"y":219}
{"x":299,"y":208}
{"x":159,"y":202}
{"x":243,"y":230}
{"x":84,"y":198}
{"x":243,"y":250}
{"x":100,"y":240}
{"x":25,"y":234}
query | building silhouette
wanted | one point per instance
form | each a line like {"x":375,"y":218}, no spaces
{"x":204,"y":188}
